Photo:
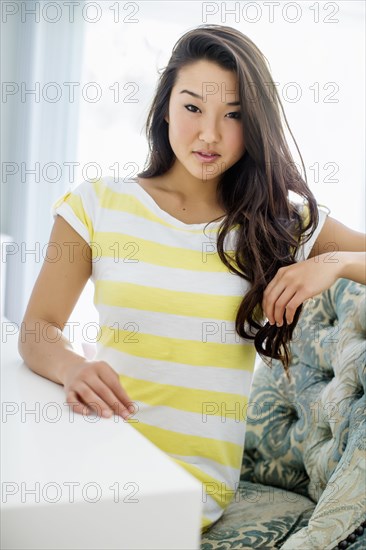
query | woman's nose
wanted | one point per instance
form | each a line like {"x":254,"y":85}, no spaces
{"x":209,"y":132}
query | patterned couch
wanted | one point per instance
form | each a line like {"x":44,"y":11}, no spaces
{"x":303,"y":479}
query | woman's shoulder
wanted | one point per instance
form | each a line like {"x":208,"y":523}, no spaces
{"x":303,"y":210}
{"x":104,"y":186}
{"x":130,"y":185}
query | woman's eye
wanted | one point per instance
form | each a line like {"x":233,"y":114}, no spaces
{"x":186,"y":106}
{"x":237,"y":115}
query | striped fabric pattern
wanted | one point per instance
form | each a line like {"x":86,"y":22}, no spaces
{"x":167,"y":307}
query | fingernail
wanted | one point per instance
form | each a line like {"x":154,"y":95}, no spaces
{"x":125,"y":414}
{"x":131,"y":409}
{"x":107,"y":414}
{"x":278,"y":325}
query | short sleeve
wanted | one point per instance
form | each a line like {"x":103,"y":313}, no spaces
{"x":305,"y":248}
{"x":78,"y":207}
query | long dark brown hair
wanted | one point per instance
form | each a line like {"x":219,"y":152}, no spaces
{"x":254,"y":192}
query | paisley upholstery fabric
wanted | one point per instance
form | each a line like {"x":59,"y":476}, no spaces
{"x":303,"y":477}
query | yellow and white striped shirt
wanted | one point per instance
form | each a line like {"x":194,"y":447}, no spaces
{"x":167,"y":307}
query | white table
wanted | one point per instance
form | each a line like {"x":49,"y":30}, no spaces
{"x":74,"y":482}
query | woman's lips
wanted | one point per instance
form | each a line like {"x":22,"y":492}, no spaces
{"x":205,"y":158}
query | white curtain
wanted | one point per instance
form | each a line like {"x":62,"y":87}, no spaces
{"x":40,"y":56}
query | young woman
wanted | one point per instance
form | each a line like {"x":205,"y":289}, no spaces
{"x":194,"y":260}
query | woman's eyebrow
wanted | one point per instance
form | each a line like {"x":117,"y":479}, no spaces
{"x":233,"y":103}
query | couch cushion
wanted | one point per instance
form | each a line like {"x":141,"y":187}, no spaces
{"x":308,"y":435}
{"x":260,"y":516}
{"x":342,"y":506}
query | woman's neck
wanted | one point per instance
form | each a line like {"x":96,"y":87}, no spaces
{"x":187,"y":188}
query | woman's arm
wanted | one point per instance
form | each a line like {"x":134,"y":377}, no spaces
{"x":338,"y":252}
{"x":348,"y":248}
{"x":89,"y":385}
{"x":335,"y":236}
{"x":41,"y":343}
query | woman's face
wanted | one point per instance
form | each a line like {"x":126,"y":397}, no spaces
{"x":210,"y":122}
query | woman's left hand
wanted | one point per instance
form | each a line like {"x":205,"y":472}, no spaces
{"x":294,"y":284}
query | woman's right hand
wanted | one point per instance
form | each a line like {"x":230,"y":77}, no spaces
{"x":94,"y":386}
